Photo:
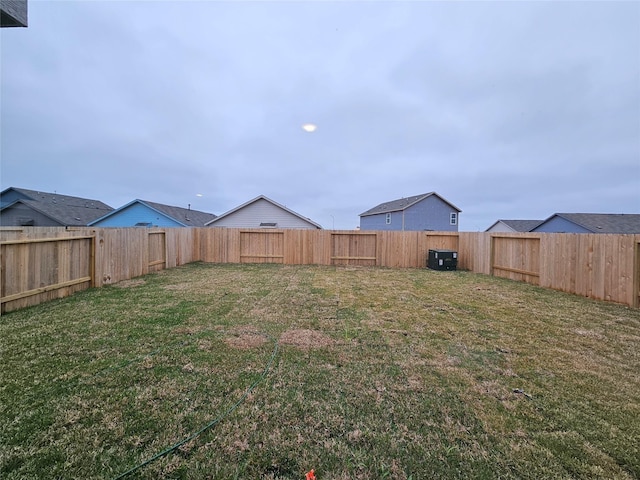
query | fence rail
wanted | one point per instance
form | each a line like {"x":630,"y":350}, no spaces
{"x":42,"y":263}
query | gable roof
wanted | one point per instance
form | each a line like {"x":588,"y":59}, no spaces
{"x":13,"y":13}
{"x":184,"y":216}
{"x":57,"y":198}
{"x":620,"y":223}
{"x":262,"y":197}
{"x":518,"y":225}
{"x":64,"y":209}
{"x":404,"y":203}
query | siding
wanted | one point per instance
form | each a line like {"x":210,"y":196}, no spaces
{"x":11,"y":196}
{"x":262,"y":211}
{"x":560,"y":225}
{"x":501,"y":228}
{"x":137,"y":213}
{"x":428,"y":214}
{"x":379,"y":222}
{"x":19,"y":213}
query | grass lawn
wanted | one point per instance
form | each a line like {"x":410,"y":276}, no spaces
{"x":268,"y":371}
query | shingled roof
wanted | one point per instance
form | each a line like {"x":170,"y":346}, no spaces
{"x":64,"y":209}
{"x":186,"y":216}
{"x":402,"y":204}
{"x":620,"y":223}
{"x":518,"y":225}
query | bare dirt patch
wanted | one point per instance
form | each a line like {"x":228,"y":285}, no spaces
{"x":303,"y":338}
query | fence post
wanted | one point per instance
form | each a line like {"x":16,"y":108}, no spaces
{"x":92,"y":261}
{"x":491,"y":254}
{"x":636,"y":274}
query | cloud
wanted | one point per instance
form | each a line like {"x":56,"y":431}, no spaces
{"x":505,"y":109}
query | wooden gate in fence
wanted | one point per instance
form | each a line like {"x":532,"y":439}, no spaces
{"x":262,"y":246}
{"x":157,"y":248}
{"x":354,"y":249}
{"x":516,"y":258}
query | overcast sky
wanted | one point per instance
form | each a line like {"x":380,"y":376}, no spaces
{"x":509,"y":110}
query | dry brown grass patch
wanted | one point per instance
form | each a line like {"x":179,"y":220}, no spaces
{"x":306,"y":339}
{"x":245,"y":339}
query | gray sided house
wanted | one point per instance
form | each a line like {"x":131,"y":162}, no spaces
{"x":618,"y":223}
{"x":13,"y":13}
{"x":511,"y":226}
{"x":22,"y":207}
{"x":428,"y":211}
{"x":262,"y":212}
{"x":142,"y":213}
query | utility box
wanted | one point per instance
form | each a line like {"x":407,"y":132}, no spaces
{"x":442,"y":259}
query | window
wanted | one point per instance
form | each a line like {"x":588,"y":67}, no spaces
{"x":388,"y":219}
{"x":453,"y":219}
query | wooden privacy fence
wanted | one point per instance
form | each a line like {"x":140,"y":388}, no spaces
{"x":42,"y":263}
{"x":36,"y":270}
{"x":598,"y":266}
{"x":39,"y":264}
{"x":322,"y":247}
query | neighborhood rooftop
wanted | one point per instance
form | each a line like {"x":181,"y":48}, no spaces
{"x":518,"y":225}
{"x":620,"y":223}
{"x":263,"y":212}
{"x":402,"y":204}
{"x":185,"y":217}
{"x":65,"y":209}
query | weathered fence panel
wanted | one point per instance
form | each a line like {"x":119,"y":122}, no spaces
{"x":183,"y":246}
{"x":474,"y":252}
{"x":220,"y":245}
{"x":516,"y":258}
{"x":121,"y":254}
{"x":38,"y":264}
{"x":39,"y":269}
{"x":599,"y":266}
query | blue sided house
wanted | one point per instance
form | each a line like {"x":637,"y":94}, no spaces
{"x":142,"y":213}
{"x":428,"y":211}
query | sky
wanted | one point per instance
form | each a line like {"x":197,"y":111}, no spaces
{"x":508,"y":110}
